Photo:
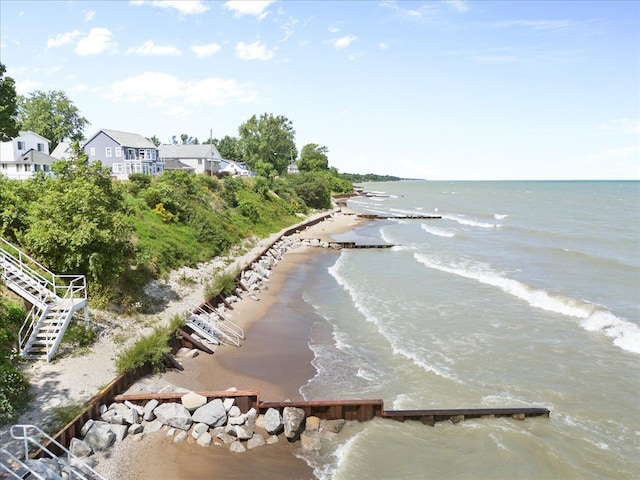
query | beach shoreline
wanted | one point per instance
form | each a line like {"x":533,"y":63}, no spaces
{"x":275,"y":359}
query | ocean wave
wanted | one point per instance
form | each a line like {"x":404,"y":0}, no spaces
{"x":500,"y":216}
{"x":359,"y":302}
{"x":470,"y":223}
{"x":438,"y":232}
{"x":626,"y":334}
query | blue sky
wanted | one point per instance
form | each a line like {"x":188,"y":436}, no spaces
{"x":422,"y":89}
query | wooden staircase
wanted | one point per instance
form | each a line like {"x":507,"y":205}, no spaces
{"x":55,"y":299}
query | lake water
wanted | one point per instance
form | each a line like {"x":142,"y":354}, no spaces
{"x":522,"y":294}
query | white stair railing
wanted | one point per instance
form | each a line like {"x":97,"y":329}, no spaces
{"x":54,"y":299}
{"x":71,"y":467}
{"x":13,"y":467}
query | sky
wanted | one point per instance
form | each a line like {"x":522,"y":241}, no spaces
{"x":439,"y":90}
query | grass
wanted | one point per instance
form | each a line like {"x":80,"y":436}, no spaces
{"x":62,"y":416}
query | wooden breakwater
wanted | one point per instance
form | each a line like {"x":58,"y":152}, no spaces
{"x":351,"y":410}
{"x":372,"y":216}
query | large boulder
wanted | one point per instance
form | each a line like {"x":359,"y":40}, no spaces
{"x":333,"y":426}
{"x":80,"y":448}
{"x":174,"y":414}
{"x":256,"y":441}
{"x":213,"y":413}
{"x":193,"y":401}
{"x":100,"y":436}
{"x":148,"y":410}
{"x":310,"y":441}
{"x":273,"y":422}
{"x":293,"y":420}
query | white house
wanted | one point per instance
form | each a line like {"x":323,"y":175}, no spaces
{"x":237,"y":169}
{"x":25,"y":155}
{"x":196,"y":158}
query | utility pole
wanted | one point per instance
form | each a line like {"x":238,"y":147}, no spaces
{"x":211,"y":149}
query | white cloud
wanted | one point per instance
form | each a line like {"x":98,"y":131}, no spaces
{"x":383,"y":46}
{"x":333,"y":29}
{"x":88,"y":15}
{"x":497,"y":58}
{"x":621,"y":125}
{"x":257,"y":8}
{"x":207,"y":50}
{"x":424,"y":10}
{"x":150,"y":48}
{"x":162,"y":89}
{"x":253,"y":51}
{"x":97,"y":41}
{"x":458,"y":5}
{"x":535,"y":24}
{"x":26,"y":86}
{"x":185,"y":7}
{"x":344,"y":42}
{"x":63,"y":39}
{"x":79,"y":88}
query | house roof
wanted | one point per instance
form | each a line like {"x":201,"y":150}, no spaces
{"x":35,"y":156}
{"x":189,"y":151}
{"x":175,"y":164}
{"x":22,"y":132}
{"x":62,"y":151}
{"x":125,"y":139}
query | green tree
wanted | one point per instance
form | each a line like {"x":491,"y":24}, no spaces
{"x":187,"y":140}
{"x":314,"y":188}
{"x":267,"y":143}
{"x":77,"y":226}
{"x":8,"y":107}
{"x":313,"y":157}
{"x":52,"y":115}
{"x":155,"y":140}
{"x":229,"y":147}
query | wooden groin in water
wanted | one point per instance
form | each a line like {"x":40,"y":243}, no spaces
{"x":372,"y":216}
{"x":351,"y":410}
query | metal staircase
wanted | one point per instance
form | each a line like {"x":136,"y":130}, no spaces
{"x":49,"y":466}
{"x":214,"y":328}
{"x":55,"y":299}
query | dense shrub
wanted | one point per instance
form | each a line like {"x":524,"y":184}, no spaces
{"x":14,"y":388}
{"x":152,"y":349}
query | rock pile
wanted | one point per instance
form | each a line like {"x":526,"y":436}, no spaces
{"x":193,"y":418}
{"x":260,"y":270}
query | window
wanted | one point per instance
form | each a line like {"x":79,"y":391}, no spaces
{"x":107,"y":152}
{"x":18,"y":167}
{"x":117,"y":168}
{"x":118,"y":152}
{"x":92,"y":151}
{"x":3,"y":166}
{"x":36,"y":168}
{"x":46,"y":168}
{"x":20,"y":145}
{"x":132,"y":154}
{"x":41,"y":147}
{"x":27,"y":167}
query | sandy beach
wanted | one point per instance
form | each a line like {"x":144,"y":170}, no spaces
{"x":275,"y":359}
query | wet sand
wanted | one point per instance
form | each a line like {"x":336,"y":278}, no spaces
{"x":275,"y":359}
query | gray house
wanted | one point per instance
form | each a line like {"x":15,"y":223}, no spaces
{"x":124,"y":152}
{"x":196,"y":158}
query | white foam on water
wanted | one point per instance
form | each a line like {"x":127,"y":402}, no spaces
{"x":438,"y":232}
{"x":469,"y":222}
{"x":626,"y":334}
{"x":500,"y":216}
{"x":359,"y":302}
